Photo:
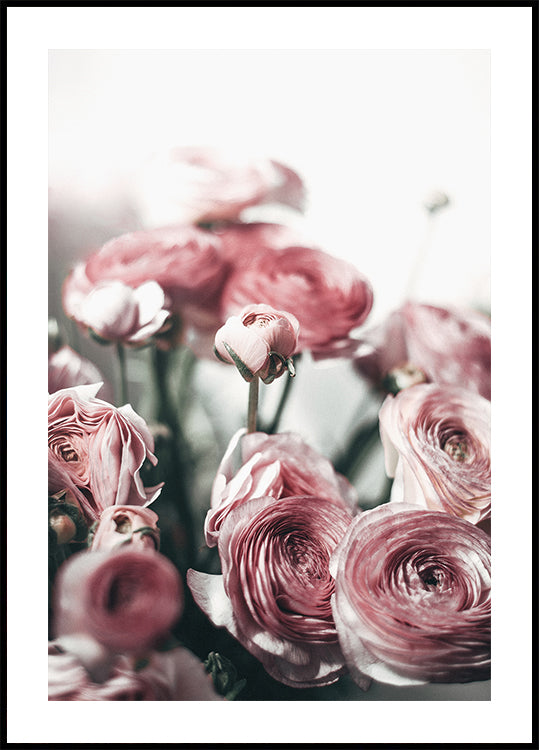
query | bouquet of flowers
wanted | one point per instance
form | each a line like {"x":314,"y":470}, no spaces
{"x":204,"y":542}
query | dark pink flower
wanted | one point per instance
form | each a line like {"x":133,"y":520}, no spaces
{"x":124,"y":600}
{"x":67,"y":369}
{"x":122,"y":525}
{"x":437,"y":446}
{"x":328,"y":296}
{"x":175,"y":675}
{"x":450,"y":346}
{"x":412,"y":597}
{"x":279,"y":466}
{"x":186,"y":263}
{"x":101,"y":448}
{"x":275,"y":591}
{"x":259,"y":341}
{"x":204,"y":185}
{"x":113,"y":311}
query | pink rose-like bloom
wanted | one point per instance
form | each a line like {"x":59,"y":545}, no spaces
{"x":437,"y":446}
{"x":101,"y":448}
{"x":67,"y":369}
{"x":196,"y":184}
{"x":328,"y":296}
{"x":122,"y":525}
{"x":450,"y":346}
{"x":113,"y":311}
{"x":275,"y":591}
{"x":259,"y":341}
{"x":279,"y":466}
{"x":125,"y":599}
{"x":175,"y":675}
{"x":412,"y":597}
{"x":186,"y":262}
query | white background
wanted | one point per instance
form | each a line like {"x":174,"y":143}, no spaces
{"x":372,"y":132}
{"x":367,"y":174}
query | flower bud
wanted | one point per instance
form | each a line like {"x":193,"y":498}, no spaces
{"x":403,"y":377}
{"x":259,"y":341}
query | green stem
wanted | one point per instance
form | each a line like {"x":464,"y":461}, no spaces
{"x":361,"y":442}
{"x":122,"y":387}
{"x":181,"y":466}
{"x":187,"y":367}
{"x":285,"y":393}
{"x":253,"y":405}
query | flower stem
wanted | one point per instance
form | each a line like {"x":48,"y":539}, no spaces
{"x":365,"y":437}
{"x":187,"y":366}
{"x":180,"y":467}
{"x":285,"y":393}
{"x":253,"y":405}
{"x":122,"y":387}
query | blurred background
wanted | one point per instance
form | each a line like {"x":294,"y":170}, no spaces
{"x":373,"y":134}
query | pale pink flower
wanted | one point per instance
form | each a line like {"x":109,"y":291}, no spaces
{"x":328,"y":296}
{"x":101,"y":448}
{"x":279,"y":466}
{"x":186,"y":262}
{"x":450,"y":346}
{"x":125,"y":599}
{"x":61,"y":485}
{"x":275,"y":591}
{"x":259,"y":341}
{"x":412,"y":597}
{"x":113,"y":311}
{"x":437,"y":446}
{"x":175,"y":675}
{"x":122,"y":525}
{"x":205,"y":185}
{"x":67,"y":368}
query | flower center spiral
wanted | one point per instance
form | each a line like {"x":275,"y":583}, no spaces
{"x":457,"y":448}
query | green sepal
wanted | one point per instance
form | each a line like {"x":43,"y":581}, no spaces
{"x":244,"y":371}
{"x":99,"y":339}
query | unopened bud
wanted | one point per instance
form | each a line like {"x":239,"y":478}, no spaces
{"x":403,"y":377}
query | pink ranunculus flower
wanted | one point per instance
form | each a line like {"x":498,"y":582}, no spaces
{"x":61,"y":486}
{"x":122,"y":525}
{"x":259,"y":341}
{"x":328,"y":296}
{"x":437,"y":446}
{"x":101,"y":448}
{"x":114,"y":311}
{"x":175,"y":675}
{"x":278,"y":466}
{"x":450,"y":346}
{"x":186,"y":262}
{"x":67,"y":369}
{"x":205,"y":185}
{"x":412,"y":597}
{"x":275,"y":591}
{"x":124,"y":599}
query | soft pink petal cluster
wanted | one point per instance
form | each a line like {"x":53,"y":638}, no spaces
{"x":184,"y":262}
{"x":437,"y":446}
{"x":412,"y":597}
{"x":115,"y":601}
{"x":206,"y":185}
{"x":67,"y":369}
{"x":259,"y":341}
{"x":450,"y":346}
{"x":121,"y":525}
{"x":283,"y":465}
{"x":328,"y":296}
{"x":101,"y":448}
{"x":274,"y":594}
{"x":175,"y":675}
{"x":114,"y":311}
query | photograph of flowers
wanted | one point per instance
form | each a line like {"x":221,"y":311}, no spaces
{"x":269,"y":376}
